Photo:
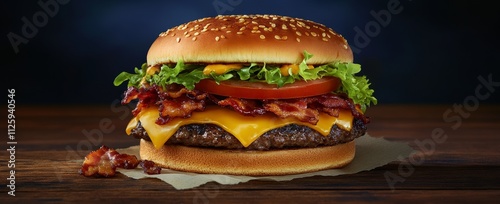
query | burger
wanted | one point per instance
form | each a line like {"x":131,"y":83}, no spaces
{"x":248,"y":95}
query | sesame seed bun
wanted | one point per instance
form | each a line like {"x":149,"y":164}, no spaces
{"x":254,"y":163}
{"x":247,"y":39}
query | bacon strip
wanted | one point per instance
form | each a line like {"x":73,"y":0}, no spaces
{"x":293,"y":108}
{"x":146,"y":97}
{"x":173,"y":101}
{"x":244,"y":106}
{"x":177,"y":101}
{"x":178,"y":107}
{"x":334,"y":101}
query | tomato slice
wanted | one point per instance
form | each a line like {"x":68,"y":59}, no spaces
{"x":261,"y":90}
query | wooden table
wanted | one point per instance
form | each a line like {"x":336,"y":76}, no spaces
{"x":462,"y":167}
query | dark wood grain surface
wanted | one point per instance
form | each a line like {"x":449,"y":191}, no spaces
{"x":457,"y":159}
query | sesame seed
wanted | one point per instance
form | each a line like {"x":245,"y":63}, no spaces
{"x":298,"y":39}
{"x":262,"y":26}
{"x":243,"y":28}
{"x":188,"y":35}
{"x":194,"y":38}
{"x":298,"y":33}
{"x":222,"y":36}
{"x":217,"y":38}
{"x":239,"y":32}
{"x":223,"y":27}
{"x":255,"y":31}
{"x":323,"y":34}
{"x":314,"y":34}
{"x":173,"y":34}
{"x":273,"y":25}
{"x":284,"y":27}
{"x":255,"y":28}
{"x":277,"y":37}
{"x":178,"y":40}
{"x":284,"y":37}
{"x":345,"y":46}
{"x":228,"y":31}
{"x":325,"y":39}
{"x":196,"y":33}
{"x":254,"y":22}
{"x":262,"y":37}
{"x":307,"y":33}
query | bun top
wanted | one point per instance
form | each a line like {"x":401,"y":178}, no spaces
{"x":249,"y":38}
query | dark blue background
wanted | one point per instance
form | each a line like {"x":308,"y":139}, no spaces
{"x":429,"y":52}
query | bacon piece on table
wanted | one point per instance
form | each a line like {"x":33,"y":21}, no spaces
{"x":104,"y":161}
{"x":150,"y":167}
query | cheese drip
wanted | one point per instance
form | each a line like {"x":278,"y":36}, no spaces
{"x":221,"y":68}
{"x":245,"y":128}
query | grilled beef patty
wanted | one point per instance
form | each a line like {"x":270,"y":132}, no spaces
{"x":289,"y":136}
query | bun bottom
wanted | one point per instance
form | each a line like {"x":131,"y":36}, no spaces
{"x":252,"y":163}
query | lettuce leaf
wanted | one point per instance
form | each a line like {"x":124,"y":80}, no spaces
{"x":133,"y":79}
{"x":356,"y":87}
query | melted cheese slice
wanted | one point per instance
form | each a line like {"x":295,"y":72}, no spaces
{"x":245,"y":128}
{"x":292,"y":68}
{"x":220,"y":68}
{"x":150,"y":71}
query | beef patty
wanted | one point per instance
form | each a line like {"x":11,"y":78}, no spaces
{"x":289,"y":136}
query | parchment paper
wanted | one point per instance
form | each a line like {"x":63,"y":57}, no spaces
{"x":371,"y":152}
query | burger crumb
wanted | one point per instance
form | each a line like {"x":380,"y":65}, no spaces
{"x":149,"y":167}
